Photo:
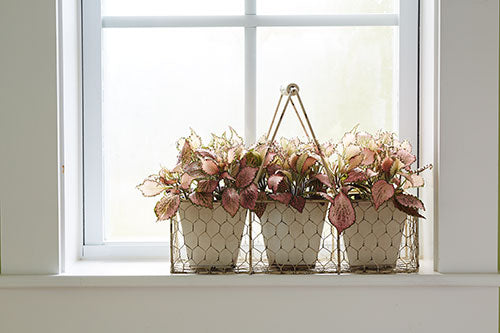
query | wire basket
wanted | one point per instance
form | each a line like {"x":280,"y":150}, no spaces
{"x":287,"y":242}
{"x":209,"y":241}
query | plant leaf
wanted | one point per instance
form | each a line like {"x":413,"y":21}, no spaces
{"x":226,"y":175}
{"x":194,"y":169}
{"x":167,"y":206}
{"x":185,"y":153}
{"x":387,"y":164}
{"x":355,"y":176}
{"x":245,"y":176}
{"x":381,"y":192}
{"x":210,"y":167}
{"x":406,"y":157}
{"x":260,"y":207}
{"x":324,"y":179}
{"x":277,"y":183}
{"x":408,"y":210}
{"x":411,"y":201}
{"x":151,"y":188}
{"x":206,"y":153}
{"x":368,"y":156}
{"x":325,"y":196}
{"x":202,"y":199}
{"x":341,"y":213}
{"x":355,"y":161}
{"x":284,"y":198}
{"x":231,"y":201}
{"x":207,"y":186}
{"x":186,"y":181}
{"x":298,"y":203}
{"x":248,"y":197}
{"x":414,"y":180}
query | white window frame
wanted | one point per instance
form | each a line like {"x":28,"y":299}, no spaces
{"x":406,"y":120}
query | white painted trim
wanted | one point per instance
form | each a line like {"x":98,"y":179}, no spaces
{"x":250,"y":76}
{"x":252,"y":281}
{"x":250,"y":21}
{"x":408,"y":71}
{"x":127,"y":250}
{"x":467,"y":229}
{"x":92,"y":123}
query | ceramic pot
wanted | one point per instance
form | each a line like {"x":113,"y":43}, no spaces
{"x":212,"y":237}
{"x":373,"y":241}
{"x":292,"y":239}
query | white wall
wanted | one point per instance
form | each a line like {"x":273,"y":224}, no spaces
{"x":144,"y":310}
{"x":29,"y":211}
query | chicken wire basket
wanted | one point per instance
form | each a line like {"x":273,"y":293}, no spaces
{"x":209,"y":241}
{"x":287,"y":242}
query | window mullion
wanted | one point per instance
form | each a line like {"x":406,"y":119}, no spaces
{"x":250,"y":76}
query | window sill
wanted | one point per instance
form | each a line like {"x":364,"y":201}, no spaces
{"x":155,"y":273}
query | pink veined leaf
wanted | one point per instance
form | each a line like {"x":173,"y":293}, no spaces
{"x":370,"y":173}
{"x":269,"y":158}
{"x":207,"y":185}
{"x":284,"y":198}
{"x":355,"y":161}
{"x":413,"y":180}
{"x":411,"y":201}
{"x":277,"y":183}
{"x":381,"y":192}
{"x":260,"y":206}
{"x":185,"y":153}
{"x":151,"y":188}
{"x":194,"y":169}
{"x":272,"y":168}
{"x":325,"y":196}
{"x":231,"y":154}
{"x":355,"y":176}
{"x":206,"y":153}
{"x":167,"y":207}
{"x":368,"y":156}
{"x":298,"y":203}
{"x":292,"y":161}
{"x":387,"y":164}
{"x":408,"y":210}
{"x":341,"y":213}
{"x":304,"y":162}
{"x":245,"y":176}
{"x":226,"y":175}
{"x":324,"y":179}
{"x":202,"y":199}
{"x":177,"y":168}
{"x":231,"y":201}
{"x":248,"y":197}
{"x":186,"y":181}
{"x":210,"y":167}
{"x":406,"y":157}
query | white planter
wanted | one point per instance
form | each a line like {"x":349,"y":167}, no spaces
{"x":292,"y":239}
{"x":373,"y":241}
{"x":212,"y":237}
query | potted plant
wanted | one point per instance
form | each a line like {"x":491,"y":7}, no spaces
{"x":292,"y":223}
{"x":370,"y":199}
{"x":210,"y":187}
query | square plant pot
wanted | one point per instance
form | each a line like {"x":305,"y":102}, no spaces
{"x":212,"y":237}
{"x":292,"y":239}
{"x":373,"y":242}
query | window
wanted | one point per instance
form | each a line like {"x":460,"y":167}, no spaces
{"x":153,"y":69}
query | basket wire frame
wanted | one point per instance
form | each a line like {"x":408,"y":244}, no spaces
{"x":284,"y":241}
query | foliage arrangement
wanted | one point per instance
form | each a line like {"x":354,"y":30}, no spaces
{"x":360,"y":167}
{"x":376,"y":168}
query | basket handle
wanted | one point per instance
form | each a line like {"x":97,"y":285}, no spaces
{"x":289,"y":91}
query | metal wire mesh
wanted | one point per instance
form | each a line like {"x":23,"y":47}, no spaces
{"x":288,"y":242}
{"x":209,"y":241}
{"x":284,"y":241}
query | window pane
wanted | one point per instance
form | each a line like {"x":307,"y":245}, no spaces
{"x":171,"y":7}
{"x":317,"y":7}
{"x":157,"y":83}
{"x":346,"y":76}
